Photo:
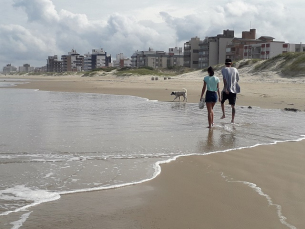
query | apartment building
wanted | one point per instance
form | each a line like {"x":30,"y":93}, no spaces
{"x":9,"y":69}
{"x":73,"y":62}
{"x":235,"y":49}
{"x":26,"y":68}
{"x":175,"y":57}
{"x":157,"y":59}
{"x":248,"y":47}
{"x":54,"y":65}
{"x":121,"y":61}
{"x":191,"y":53}
{"x":300,"y":47}
{"x":97,"y":59}
{"x":212,"y":50}
{"x":266,"y":50}
{"x":88,"y":62}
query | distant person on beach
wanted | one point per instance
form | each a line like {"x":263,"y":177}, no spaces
{"x":230,"y":87}
{"x":211,"y":83}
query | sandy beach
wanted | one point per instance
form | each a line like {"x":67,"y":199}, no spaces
{"x":260,"y":187}
{"x":267,"y":90}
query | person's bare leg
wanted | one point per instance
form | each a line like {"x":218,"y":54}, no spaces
{"x":233,"y":113}
{"x":223,"y":111}
{"x":210,"y":114}
{"x":213,"y":104}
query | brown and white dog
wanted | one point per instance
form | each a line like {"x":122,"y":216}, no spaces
{"x":178,"y":94}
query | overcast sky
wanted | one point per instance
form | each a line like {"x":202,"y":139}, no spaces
{"x":32,"y":30}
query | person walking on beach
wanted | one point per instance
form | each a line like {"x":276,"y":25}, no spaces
{"x":211,"y":83}
{"x":230,"y":87}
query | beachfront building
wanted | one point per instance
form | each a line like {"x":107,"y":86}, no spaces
{"x":266,"y":50}
{"x":300,"y":47}
{"x":157,"y":59}
{"x":175,"y":57}
{"x":191,"y":53}
{"x":121,"y":61}
{"x":73,"y":62}
{"x":41,"y":69}
{"x":54,"y":65}
{"x":88,"y":62}
{"x":235,"y":49}
{"x":26,"y":68}
{"x":265,"y":47}
{"x":97,"y":59}
{"x":212,"y":50}
{"x":9,"y":69}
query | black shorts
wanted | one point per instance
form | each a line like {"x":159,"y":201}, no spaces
{"x":211,"y":97}
{"x":231,"y":97}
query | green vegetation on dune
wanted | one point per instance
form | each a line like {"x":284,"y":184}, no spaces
{"x":247,"y":62}
{"x":152,"y":71}
{"x":297,"y":67}
{"x":128,"y":71}
{"x":289,"y":64}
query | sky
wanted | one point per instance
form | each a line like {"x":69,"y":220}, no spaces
{"x":32,"y":30}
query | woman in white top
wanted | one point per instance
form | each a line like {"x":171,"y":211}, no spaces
{"x":211,"y":83}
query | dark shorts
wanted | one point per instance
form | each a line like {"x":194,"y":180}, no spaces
{"x":211,"y":97}
{"x":231,"y":97}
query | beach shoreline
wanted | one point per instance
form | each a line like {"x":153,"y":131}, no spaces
{"x":236,"y":189}
{"x":271,"y":92}
{"x":219,"y":190}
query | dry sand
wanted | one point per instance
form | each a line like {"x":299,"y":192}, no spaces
{"x":261,"y":187}
{"x":267,"y":90}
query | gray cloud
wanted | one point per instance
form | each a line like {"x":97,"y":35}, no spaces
{"x":38,"y":10}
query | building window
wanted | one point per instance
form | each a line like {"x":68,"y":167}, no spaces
{"x":195,"y":51}
{"x":195,"y":62}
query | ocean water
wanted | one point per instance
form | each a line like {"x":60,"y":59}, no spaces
{"x":53,"y":143}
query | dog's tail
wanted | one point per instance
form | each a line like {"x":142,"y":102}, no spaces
{"x":185,"y":90}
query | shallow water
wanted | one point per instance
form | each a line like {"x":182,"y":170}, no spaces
{"x":54,"y":142}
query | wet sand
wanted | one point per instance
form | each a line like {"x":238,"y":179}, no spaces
{"x":261,"y":187}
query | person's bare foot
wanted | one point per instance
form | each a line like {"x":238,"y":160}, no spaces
{"x":222,"y":117}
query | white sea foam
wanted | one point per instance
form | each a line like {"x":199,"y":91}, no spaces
{"x":21,"y":192}
{"x":19,"y":223}
{"x":257,"y":189}
{"x":157,"y":168}
{"x":48,"y":175}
